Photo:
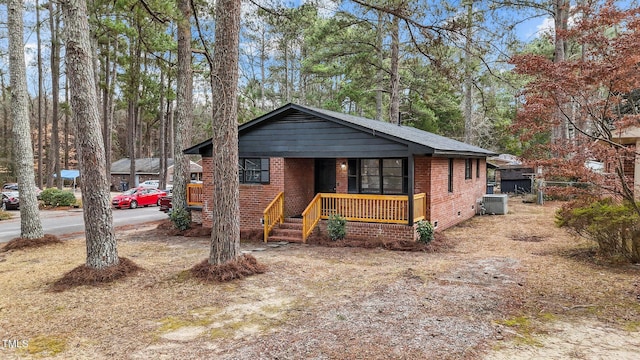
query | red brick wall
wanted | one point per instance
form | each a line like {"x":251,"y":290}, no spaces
{"x":386,"y":232}
{"x":342,"y":180}
{"x":422,"y":178}
{"x":254,"y":198}
{"x":448,"y":209}
{"x":298,"y":185}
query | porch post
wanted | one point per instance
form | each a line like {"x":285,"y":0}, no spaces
{"x":410,"y":190}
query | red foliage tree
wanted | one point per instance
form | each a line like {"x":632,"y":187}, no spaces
{"x":594,"y":93}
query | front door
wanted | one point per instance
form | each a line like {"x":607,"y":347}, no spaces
{"x":325,"y":176}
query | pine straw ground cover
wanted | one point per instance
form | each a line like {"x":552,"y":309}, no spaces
{"x":508,"y":287}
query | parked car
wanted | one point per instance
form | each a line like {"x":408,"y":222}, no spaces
{"x":14,"y":187}
{"x":165,"y":203}
{"x":139,"y":196}
{"x":10,"y":200}
{"x":154,"y":184}
{"x":10,"y":187}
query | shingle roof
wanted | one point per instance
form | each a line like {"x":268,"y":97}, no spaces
{"x":440,"y":144}
{"x":143,"y":166}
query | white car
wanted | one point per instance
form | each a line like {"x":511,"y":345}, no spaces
{"x":154,"y":184}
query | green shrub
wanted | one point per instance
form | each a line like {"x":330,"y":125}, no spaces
{"x":425,"y":231}
{"x":180,"y":218}
{"x":57,"y":197}
{"x":337,"y":227}
{"x":614,"y":226}
{"x":48,"y":195}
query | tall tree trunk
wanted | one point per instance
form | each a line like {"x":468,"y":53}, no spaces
{"x":561,"y":19}
{"x":106,"y":125}
{"x":66,"y":124}
{"x":263,"y":60}
{"x":163,"y":134}
{"x":379,"y":71}
{"x":184,"y":103}
{"x":110,"y":106}
{"x":132,"y":108}
{"x":30,"y":224}
{"x":100,"y":238}
{"x":394,"y":102}
{"x":40,"y":95}
{"x":225,"y":232}
{"x":468,"y":78}
{"x":53,"y":153}
{"x":5,"y":116}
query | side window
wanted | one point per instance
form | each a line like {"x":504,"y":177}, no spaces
{"x":450,"y":182}
{"x":253,"y":171}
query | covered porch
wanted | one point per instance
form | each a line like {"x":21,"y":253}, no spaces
{"x":384,"y":209}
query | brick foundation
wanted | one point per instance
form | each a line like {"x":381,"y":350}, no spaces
{"x":390,"y":232}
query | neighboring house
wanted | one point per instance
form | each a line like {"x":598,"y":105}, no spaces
{"x":630,"y":137}
{"x":510,"y":174}
{"x":146,"y":169}
{"x":382,"y":177}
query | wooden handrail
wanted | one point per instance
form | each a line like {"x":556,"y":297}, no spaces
{"x":419,"y":207}
{"x":311,"y":216}
{"x":367,"y":208}
{"x":194,"y":195}
{"x":273,"y":214}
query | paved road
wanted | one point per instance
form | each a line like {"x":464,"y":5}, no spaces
{"x":67,"y":223}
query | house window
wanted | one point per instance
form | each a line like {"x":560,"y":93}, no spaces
{"x":477,"y":168}
{"x":378,"y":176}
{"x":450,"y":175}
{"x":467,"y":169}
{"x":253,"y":171}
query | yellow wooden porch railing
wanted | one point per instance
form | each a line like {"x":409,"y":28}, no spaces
{"x":273,"y":214}
{"x":389,"y":209}
{"x":419,"y":207}
{"x":194,"y":195}
{"x":310,"y":216}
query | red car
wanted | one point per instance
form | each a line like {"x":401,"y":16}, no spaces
{"x":165,"y":203}
{"x":139,"y":196}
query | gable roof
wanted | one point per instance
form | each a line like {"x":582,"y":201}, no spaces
{"x":147,"y":166}
{"x":415,"y":140}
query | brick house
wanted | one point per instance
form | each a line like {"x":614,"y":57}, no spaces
{"x":300,"y":164}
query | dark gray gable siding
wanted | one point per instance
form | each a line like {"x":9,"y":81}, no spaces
{"x":297,"y":134}
{"x":300,"y":131}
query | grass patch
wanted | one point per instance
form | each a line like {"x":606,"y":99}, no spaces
{"x":172,"y":323}
{"x":525,"y":330}
{"x":5,"y":215}
{"x":46,"y":345}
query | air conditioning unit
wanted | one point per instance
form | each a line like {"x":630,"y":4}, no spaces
{"x":495,"y":204}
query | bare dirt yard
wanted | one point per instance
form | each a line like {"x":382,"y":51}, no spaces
{"x":508,"y":287}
